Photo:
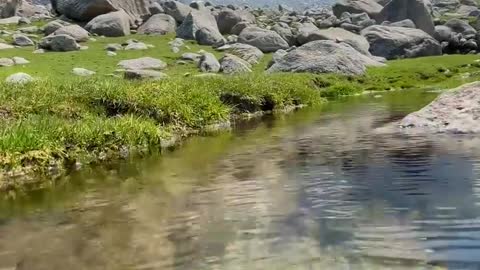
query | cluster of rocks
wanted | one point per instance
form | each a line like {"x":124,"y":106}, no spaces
{"x":346,"y":38}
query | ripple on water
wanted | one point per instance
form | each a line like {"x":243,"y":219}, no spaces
{"x":330,"y":194}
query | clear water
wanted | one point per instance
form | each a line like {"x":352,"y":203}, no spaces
{"x":318,"y":189}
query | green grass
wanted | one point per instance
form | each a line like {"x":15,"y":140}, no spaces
{"x":61,"y":119}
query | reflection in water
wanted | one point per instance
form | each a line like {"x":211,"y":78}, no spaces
{"x":307,"y":191}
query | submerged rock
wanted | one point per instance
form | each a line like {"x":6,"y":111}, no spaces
{"x":455,"y":111}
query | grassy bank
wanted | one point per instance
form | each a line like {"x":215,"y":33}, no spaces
{"x":52,"y":125}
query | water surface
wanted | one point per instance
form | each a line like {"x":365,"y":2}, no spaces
{"x":318,"y":189}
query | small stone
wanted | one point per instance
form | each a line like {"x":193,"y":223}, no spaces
{"x":38,"y":51}
{"x":6,"y":62}
{"x":142,"y":63}
{"x":144,"y":74}
{"x":175,"y":50}
{"x":4,"y":46}
{"x":22,"y":40}
{"x":19,"y":78}
{"x":23,"y":21}
{"x":83,"y":72}
{"x":20,"y":60}
{"x":136,"y":46}
{"x":110,"y":53}
{"x":114,"y":47}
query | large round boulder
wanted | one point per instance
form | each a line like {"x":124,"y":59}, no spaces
{"x":418,"y":11}
{"x":200,"y":26}
{"x":399,"y":42}
{"x":59,"y":43}
{"x":265,"y":40}
{"x":113,"y":24}
{"x":86,"y":10}
{"x":73,"y":30}
{"x":176,"y":9}
{"x":158,"y":24}
{"x":371,"y":7}
{"x":228,"y":18}
{"x":460,"y":26}
{"x":324,"y":56}
{"x":8,"y":8}
{"x":358,"y":42}
{"x":247,"y":52}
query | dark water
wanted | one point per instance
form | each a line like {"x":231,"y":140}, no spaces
{"x":312,"y":190}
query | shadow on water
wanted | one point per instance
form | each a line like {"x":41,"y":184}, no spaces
{"x":318,"y":189}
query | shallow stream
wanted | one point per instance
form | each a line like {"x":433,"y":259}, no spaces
{"x":317,"y":189}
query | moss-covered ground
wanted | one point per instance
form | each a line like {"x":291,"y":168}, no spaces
{"x":61,"y":120}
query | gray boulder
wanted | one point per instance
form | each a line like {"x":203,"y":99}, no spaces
{"x":176,"y":9}
{"x":238,"y":28}
{"x":208,"y":36}
{"x":285,"y":32}
{"x":358,"y":42}
{"x":22,"y":40}
{"x":464,"y":10}
{"x":249,"y":53}
{"x":194,"y":57}
{"x":159,"y":24}
{"x":136,"y":46}
{"x":86,"y":10}
{"x":324,"y":56}
{"x":265,"y":40}
{"x":113,"y":24}
{"x":460,"y":26}
{"x":416,"y":10}
{"x":233,"y":65}
{"x":400,"y":42}
{"x":19,"y":78}
{"x":53,"y":26}
{"x":405,"y":23}
{"x":227,"y":19}
{"x":209,"y":63}
{"x":455,"y":111}
{"x":443,"y":33}
{"x":9,"y":8}
{"x":60,"y":43}
{"x":142,"y":63}
{"x":371,"y":7}
{"x":200,"y":23}
{"x":75,"y":31}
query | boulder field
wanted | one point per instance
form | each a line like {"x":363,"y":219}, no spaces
{"x":344,"y":38}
